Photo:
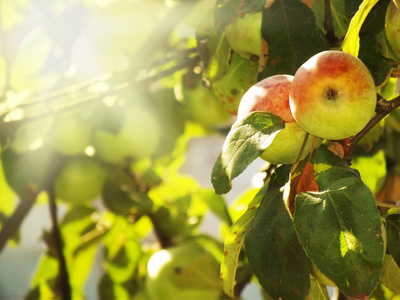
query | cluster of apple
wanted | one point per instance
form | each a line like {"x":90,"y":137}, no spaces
{"x":331,"y":96}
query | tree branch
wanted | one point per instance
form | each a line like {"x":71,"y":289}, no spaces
{"x":328,"y":25}
{"x":383,"y":108}
{"x":63,"y":277}
{"x":7,"y":128}
{"x":13,"y":223}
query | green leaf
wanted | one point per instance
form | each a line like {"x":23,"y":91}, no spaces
{"x":226,"y":11}
{"x":108,"y":289}
{"x":240,"y":76}
{"x":122,"y":251}
{"x":375,"y":22}
{"x":213,"y":49}
{"x":43,"y":282}
{"x":372,"y":169}
{"x":370,"y":53}
{"x":393,"y":236}
{"x":216,"y":203}
{"x":391,"y":275}
{"x":79,"y":252}
{"x":324,"y":160}
{"x":289,"y":29}
{"x":351,"y":43}
{"x":340,"y":19}
{"x":234,"y":243}
{"x":247,"y":139}
{"x":7,"y":196}
{"x":272,"y":247}
{"x":339,"y":229}
{"x":123,"y":200}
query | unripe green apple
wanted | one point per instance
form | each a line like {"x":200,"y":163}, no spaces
{"x":138,"y":137}
{"x":392,"y":27}
{"x":244,"y":35}
{"x":69,"y":135}
{"x":199,"y":102}
{"x":333,"y":95}
{"x":80,"y":181}
{"x":272,"y":95}
{"x":186,"y":271}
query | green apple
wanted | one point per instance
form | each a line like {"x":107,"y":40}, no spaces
{"x":333,"y":95}
{"x":187,"y":271}
{"x":138,"y":137}
{"x":80,"y":181}
{"x":244,"y":35}
{"x":272,"y":95}
{"x":69,"y":135}
{"x":392,"y":26}
{"x":199,"y":102}
{"x":30,"y":172}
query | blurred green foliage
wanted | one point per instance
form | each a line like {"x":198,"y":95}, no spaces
{"x":99,"y":100}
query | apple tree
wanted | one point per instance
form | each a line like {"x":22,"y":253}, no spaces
{"x":100,"y":101}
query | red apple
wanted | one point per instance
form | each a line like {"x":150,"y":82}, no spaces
{"x":333,"y":95}
{"x":272,"y":95}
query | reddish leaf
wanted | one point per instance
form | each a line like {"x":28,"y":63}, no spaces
{"x":341,"y":148}
{"x":303,"y":182}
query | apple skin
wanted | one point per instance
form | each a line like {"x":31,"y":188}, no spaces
{"x":138,"y":138}
{"x":392,"y":26}
{"x":186,"y":271}
{"x":333,"y":95}
{"x":272,"y":95}
{"x":80,"y":181}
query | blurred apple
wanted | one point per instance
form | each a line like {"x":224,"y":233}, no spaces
{"x":244,"y":35}
{"x":80,"y":181}
{"x":333,"y":95}
{"x":392,"y":26}
{"x":138,"y":137}
{"x":187,"y":271}
{"x":30,"y":172}
{"x":272,"y":95}
{"x":199,"y":102}
{"x":69,"y":135}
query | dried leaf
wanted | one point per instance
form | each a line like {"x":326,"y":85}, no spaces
{"x":303,"y":182}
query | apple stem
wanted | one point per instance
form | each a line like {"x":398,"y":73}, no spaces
{"x":303,"y":147}
{"x":383,"y":108}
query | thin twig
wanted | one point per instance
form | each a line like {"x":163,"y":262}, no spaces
{"x":63,"y":277}
{"x":383,"y":108}
{"x":388,"y":205}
